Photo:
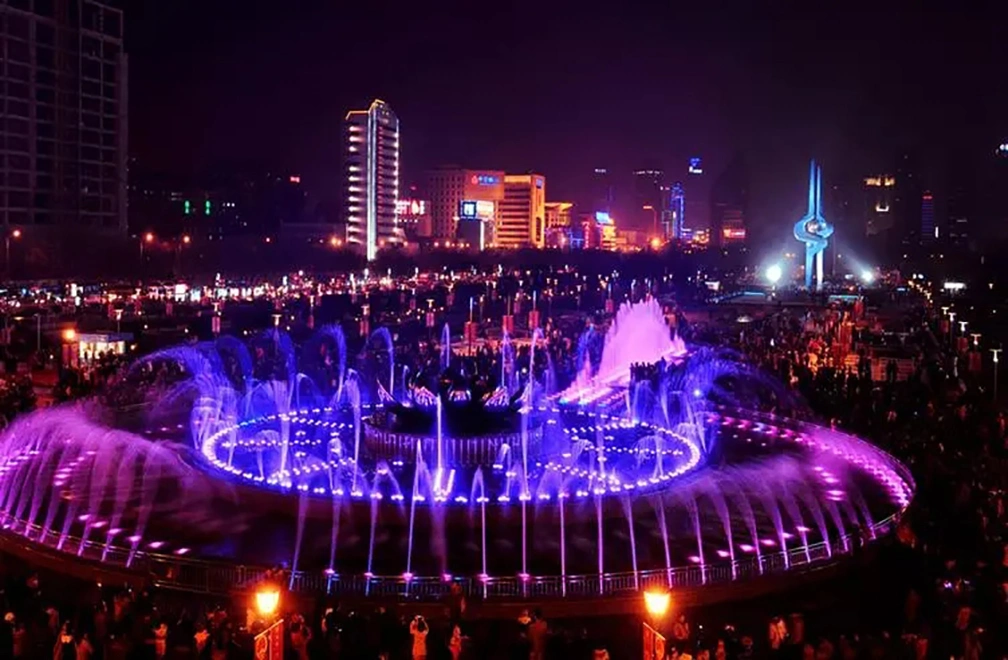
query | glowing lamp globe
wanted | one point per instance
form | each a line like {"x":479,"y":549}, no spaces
{"x":267,"y":600}
{"x":657,"y":603}
{"x":774,"y":273}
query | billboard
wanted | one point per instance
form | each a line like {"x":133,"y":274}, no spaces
{"x":602,"y":218}
{"x":412,"y":207}
{"x":476,"y":209}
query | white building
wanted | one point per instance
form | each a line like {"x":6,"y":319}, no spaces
{"x":372,"y":178}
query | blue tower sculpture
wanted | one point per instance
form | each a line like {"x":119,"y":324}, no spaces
{"x":813,"y":230}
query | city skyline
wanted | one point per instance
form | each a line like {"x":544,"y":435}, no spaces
{"x":777,"y":101}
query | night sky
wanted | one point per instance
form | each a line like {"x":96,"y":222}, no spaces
{"x":564,"y":88}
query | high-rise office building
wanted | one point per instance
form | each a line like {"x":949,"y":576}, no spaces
{"x":64,"y":106}
{"x":675,"y":216}
{"x":559,"y":223}
{"x":648,"y":196}
{"x":879,"y":204}
{"x":522,"y":219}
{"x":559,"y":214}
{"x":729,"y":201}
{"x":371,"y":168}
{"x":962,"y":205}
{"x":603,"y":194}
{"x":448,"y":187}
{"x":928,"y":230}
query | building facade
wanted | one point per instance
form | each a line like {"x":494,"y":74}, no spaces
{"x":929,"y":230}
{"x":603,"y":191}
{"x":448,"y":187}
{"x":879,"y":204}
{"x":674,"y":219}
{"x":729,"y":203}
{"x":371,"y":170}
{"x":64,"y":132}
{"x":522,"y":218}
{"x":559,"y":223}
{"x":648,"y":199}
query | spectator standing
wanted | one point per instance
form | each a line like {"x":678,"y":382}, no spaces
{"x":419,"y":630}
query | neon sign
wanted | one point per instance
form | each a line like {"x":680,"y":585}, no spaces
{"x":484,"y":180}
{"x":476,"y":209}
{"x":695,"y":165}
{"x":412,"y":207}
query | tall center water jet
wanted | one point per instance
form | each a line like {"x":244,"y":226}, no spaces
{"x":445,"y":348}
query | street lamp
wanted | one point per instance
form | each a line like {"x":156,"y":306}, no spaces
{"x":267,"y":600}
{"x":16,"y":234}
{"x":148,"y":238}
{"x":996,"y":352}
{"x":657,"y":603}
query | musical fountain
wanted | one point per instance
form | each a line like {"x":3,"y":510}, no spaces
{"x":368,"y":484}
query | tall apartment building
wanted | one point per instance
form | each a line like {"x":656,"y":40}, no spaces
{"x":928,"y":230}
{"x":64,"y":130}
{"x":371,"y":168}
{"x":449,"y":187}
{"x":522,"y":218}
{"x":674,"y":217}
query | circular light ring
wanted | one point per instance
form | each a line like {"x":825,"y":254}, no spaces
{"x":682,"y":455}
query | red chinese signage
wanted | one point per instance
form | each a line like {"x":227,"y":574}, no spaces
{"x":654,"y":644}
{"x":269,"y":644}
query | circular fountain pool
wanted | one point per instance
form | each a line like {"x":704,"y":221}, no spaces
{"x":510,"y":490}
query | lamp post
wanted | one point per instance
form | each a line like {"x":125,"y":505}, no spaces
{"x":996,"y":352}
{"x":267,"y":600}
{"x":269,"y":643}
{"x":657,"y":605}
{"x":183,"y":241}
{"x":16,"y":234}
{"x":147,"y":239}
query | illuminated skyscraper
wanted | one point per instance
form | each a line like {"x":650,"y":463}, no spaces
{"x":372,"y":178}
{"x":602,"y":190}
{"x":879,"y":204}
{"x":929,"y":231}
{"x":522,"y":217}
{"x":675,"y":216}
{"x":648,"y":193}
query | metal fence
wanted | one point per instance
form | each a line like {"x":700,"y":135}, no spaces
{"x":220,"y":577}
